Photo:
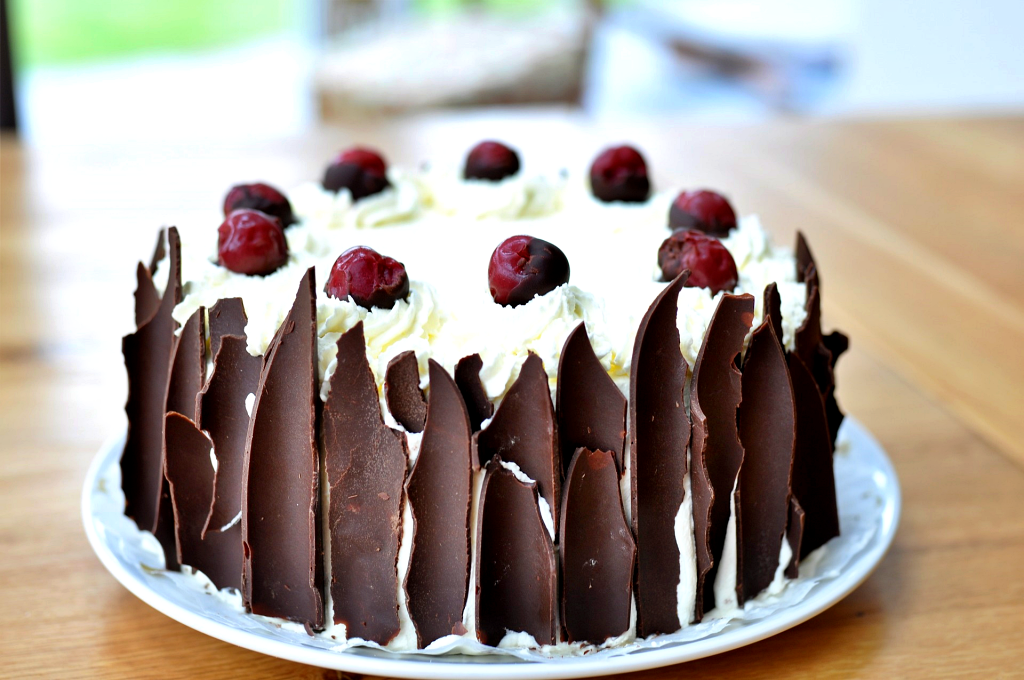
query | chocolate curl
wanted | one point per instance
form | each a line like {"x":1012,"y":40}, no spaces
{"x":403,"y":394}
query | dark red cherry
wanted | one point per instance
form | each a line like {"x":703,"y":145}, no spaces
{"x":491,"y":161}
{"x":360,"y":170}
{"x":523,"y":267}
{"x":251,"y":242}
{"x":262,"y":197}
{"x":703,"y":210}
{"x":710,"y":263}
{"x":620,"y":174}
{"x":371,"y":279}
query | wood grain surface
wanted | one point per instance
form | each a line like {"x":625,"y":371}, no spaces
{"x":918,"y":226}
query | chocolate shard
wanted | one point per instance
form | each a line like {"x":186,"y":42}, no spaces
{"x":158,"y":251}
{"x":716,"y":451}
{"x":795,"y":535}
{"x":590,"y":408}
{"x":516,"y":569}
{"x":804,"y":257}
{"x":147,"y":357}
{"x":147,"y":299}
{"x":365,"y":462}
{"x":402,"y":391}
{"x":767,"y":427}
{"x":816,"y":352}
{"x":597,"y":551}
{"x":227,"y":317}
{"x":440,"y":490}
{"x":190,"y":476}
{"x":281,"y":572}
{"x":772,"y":308}
{"x":836,"y":343}
{"x":467,"y":377}
{"x":523,"y":431}
{"x":224,"y":416}
{"x":814,"y":483}
{"x":659,"y":435}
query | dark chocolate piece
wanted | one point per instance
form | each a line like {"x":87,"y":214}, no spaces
{"x":767,"y":427}
{"x":227,"y":317}
{"x":190,"y":477}
{"x":815,"y":351}
{"x":716,"y":452}
{"x":772,"y":308}
{"x":158,"y":251}
{"x":467,"y":377}
{"x":440,"y":493}
{"x":591,"y":409}
{"x":147,"y":299}
{"x":836,"y":343}
{"x":804,"y":257}
{"x":516,"y":568}
{"x":813,"y":477}
{"x":659,"y":435}
{"x":147,"y":358}
{"x":523,"y":431}
{"x":795,"y":536}
{"x":282,"y":575}
{"x":597,"y":551}
{"x":402,"y":391}
{"x":222,"y":415}
{"x":365,"y":462}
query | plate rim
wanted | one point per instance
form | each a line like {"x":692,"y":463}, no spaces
{"x":575,"y":667}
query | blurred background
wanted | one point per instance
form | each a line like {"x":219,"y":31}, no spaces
{"x":247,"y":69}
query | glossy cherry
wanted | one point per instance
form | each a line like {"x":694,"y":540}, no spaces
{"x":360,"y":170}
{"x":262,"y":197}
{"x":703,"y":210}
{"x":710,"y":263}
{"x":490,"y":161}
{"x":251,"y":242}
{"x":620,"y":174}
{"x":523,"y":267}
{"x":371,"y":279}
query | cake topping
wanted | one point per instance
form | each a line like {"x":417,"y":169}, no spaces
{"x":659,"y":435}
{"x":794,"y":536}
{"x":710,"y":263}
{"x":282,"y":572}
{"x":159,"y":252}
{"x":620,"y":174}
{"x":227,"y":317}
{"x":716,"y":450}
{"x":365,"y":462}
{"x":440,"y":496}
{"x":251,"y":242}
{"x":147,"y":299}
{"x":262,"y":197}
{"x":597,"y":551}
{"x":491,"y":161}
{"x":402,"y":392}
{"x":590,"y":407}
{"x":369,"y":278}
{"x":516,"y":573}
{"x":467,"y":377}
{"x":360,"y":170}
{"x":523,"y":267}
{"x":702,"y":210}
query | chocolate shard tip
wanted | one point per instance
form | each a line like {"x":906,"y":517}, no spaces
{"x":281,"y":573}
{"x":158,"y":251}
{"x":402,"y":392}
{"x":365,"y":462}
{"x":523,"y":431}
{"x":767,"y":427}
{"x":227,"y":317}
{"x":147,"y":299}
{"x":440,"y":493}
{"x":659,"y":435}
{"x":794,"y":534}
{"x":517,"y":579}
{"x":590,"y":408}
{"x":597,"y":551}
{"x":467,"y":377}
{"x":804,"y":257}
{"x":772,"y":308}
{"x":813,"y":476}
{"x":716,"y":451}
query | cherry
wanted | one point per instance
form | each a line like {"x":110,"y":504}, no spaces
{"x":262,"y":197}
{"x":360,"y":170}
{"x":371,"y":279}
{"x":251,"y":242}
{"x":523,"y":267}
{"x":491,"y":161}
{"x":620,"y":174}
{"x":710,"y":263}
{"x":703,"y":210}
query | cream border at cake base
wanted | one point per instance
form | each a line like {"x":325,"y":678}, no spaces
{"x":861,"y":456}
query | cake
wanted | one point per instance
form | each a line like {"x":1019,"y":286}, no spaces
{"x":547,"y":411}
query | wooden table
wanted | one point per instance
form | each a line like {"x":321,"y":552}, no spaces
{"x":919,"y":229}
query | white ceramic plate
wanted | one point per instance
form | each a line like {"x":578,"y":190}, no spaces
{"x":869,"y":509}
